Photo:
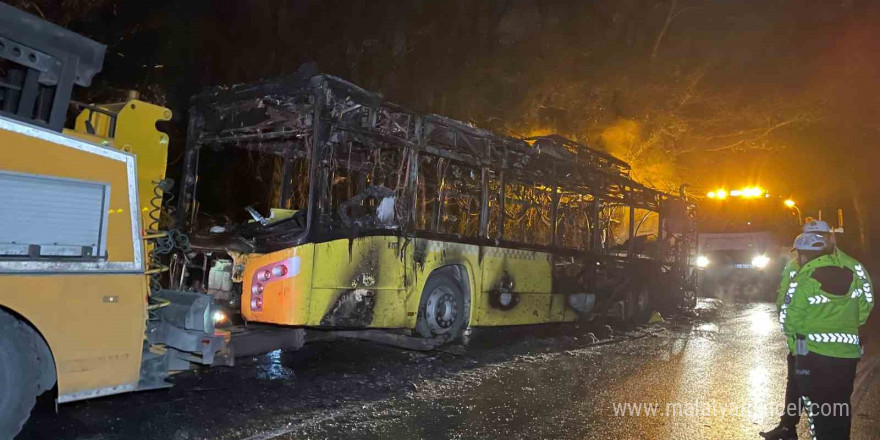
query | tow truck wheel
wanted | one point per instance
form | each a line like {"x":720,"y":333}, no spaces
{"x":22,"y":373}
{"x":442,"y":310}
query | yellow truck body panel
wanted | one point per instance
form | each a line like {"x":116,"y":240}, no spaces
{"x":92,"y":323}
{"x":91,"y":312}
{"x":135,"y":132}
{"x":33,"y":155}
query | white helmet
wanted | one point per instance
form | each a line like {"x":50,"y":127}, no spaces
{"x":819,"y":226}
{"x":810,"y":241}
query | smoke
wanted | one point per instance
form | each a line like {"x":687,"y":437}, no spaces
{"x":626,"y":139}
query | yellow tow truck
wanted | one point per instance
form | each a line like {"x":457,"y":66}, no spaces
{"x":77,"y":314}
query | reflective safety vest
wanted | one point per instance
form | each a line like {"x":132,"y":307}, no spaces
{"x":788,"y":272}
{"x":825,"y":318}
{"x":791,"y":268}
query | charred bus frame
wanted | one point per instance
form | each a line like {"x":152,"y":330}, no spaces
{"x":305,"y":118}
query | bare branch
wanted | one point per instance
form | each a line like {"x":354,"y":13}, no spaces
{"x":670,"y":17}
{"x":760,"y":136}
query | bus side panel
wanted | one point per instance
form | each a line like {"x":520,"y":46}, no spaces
{"x":530,"y":272}
{"x":93,"y":324}
{"x":430,"y":255}
{"x":286,"y":300}
{"x":559,"y":308}
{"x":372,"y":271}
{"x":388,"y":311}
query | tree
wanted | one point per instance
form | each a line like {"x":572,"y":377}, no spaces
{"x":656,"y":82}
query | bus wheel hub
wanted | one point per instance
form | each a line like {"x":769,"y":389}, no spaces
{"x":442,"y":310}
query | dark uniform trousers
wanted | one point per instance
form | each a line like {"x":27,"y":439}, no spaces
{"x":792,"y":414}
{"x":827,"y":384}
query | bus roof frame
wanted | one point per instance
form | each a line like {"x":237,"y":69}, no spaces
{"x":217,"y":118}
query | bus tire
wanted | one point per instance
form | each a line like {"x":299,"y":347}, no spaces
{"x":637,"y":306}
{"x":23,"y":372}
{"x":443,"y":309}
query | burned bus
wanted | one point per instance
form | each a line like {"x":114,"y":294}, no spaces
{"x":311,"y":202}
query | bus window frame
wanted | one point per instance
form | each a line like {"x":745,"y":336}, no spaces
{"x":343,"y":109}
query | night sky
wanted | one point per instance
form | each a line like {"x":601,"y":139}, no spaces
{"x":780,"y":93}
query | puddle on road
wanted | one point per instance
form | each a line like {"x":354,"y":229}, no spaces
{"x":271,"y":368}
{"x":709,"y":327}
{"x":762,"y":324}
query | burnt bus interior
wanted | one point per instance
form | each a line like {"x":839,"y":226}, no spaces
{"x":313,"y":158}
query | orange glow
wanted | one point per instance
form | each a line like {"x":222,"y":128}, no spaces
{"x":749,"y":192}
{"x":752,"y":192}
{"x":790,"y":203}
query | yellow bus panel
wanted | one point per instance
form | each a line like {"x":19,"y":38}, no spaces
{"x":389,"y":273}
{"x":284,"y":300}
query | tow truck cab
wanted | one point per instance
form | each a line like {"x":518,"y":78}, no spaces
{"x":742,"y":246}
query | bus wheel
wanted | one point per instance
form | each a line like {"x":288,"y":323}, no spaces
{"x":442,"y":310}
{"x":21,"y":373}
{"x":637,"y":306}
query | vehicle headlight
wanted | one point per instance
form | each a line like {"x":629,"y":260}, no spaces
{"x":760,"y":261}
{"x":702,"y":261}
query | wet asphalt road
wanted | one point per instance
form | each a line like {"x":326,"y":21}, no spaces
{"x":709,"y":376}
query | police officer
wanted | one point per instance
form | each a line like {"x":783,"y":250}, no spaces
{"x":825,"y":303}
{"x":791,"y":414}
